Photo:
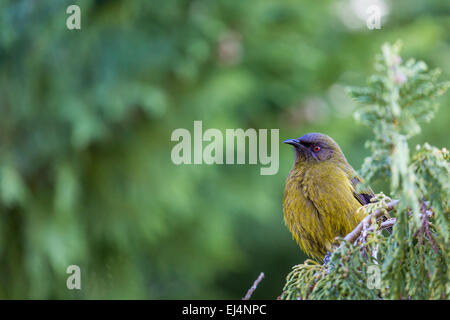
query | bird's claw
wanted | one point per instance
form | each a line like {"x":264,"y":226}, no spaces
{"x":327,"y":258}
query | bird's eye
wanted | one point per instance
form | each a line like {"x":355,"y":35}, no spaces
{"x":316,"y":148}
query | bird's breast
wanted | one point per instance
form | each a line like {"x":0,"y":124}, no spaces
{"x":318,"y":205}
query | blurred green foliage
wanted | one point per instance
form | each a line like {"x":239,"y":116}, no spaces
{"x":86,"y":118}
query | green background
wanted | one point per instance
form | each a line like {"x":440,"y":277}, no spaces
{"x":86,"y":117}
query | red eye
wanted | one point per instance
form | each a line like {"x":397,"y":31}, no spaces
{"x":316,"y":148}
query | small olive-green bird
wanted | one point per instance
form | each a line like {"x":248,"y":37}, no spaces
{"x":322,"y":196}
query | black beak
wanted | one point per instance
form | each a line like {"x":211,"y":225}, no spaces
{"x":294,"y":142}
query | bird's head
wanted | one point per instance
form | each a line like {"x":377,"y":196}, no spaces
{"x":316,"y":148}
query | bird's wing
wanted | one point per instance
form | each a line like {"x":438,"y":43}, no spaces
{"x":362,"y":192}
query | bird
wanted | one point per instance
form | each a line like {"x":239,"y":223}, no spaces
{"x":322,"y":195}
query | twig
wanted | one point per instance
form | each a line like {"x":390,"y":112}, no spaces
{"x":424,"y":228}
{"x":352,"y":236}
{"x":430,"y":237}
{"x":384,"y":225}
{"x":426,"y":212}
{"x":253,"y":287}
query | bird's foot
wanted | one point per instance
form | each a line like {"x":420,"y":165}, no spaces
{"x":327,"y":258}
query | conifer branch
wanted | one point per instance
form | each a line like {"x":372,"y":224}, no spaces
{"x":352,"y":236}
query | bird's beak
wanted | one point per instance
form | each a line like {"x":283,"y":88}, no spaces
{"x":293,"y":142}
